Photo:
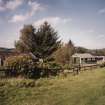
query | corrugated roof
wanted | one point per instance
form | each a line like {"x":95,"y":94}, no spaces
{"x":84,"y":55}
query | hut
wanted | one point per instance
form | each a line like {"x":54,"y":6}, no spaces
{"x":83,"y":58}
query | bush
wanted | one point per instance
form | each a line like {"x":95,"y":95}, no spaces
{"x":24,"y":66}
{"x":67,"y":66}
{"x":101,"y":63}
{"x":21,"y":65}
{"x":54,"y":65}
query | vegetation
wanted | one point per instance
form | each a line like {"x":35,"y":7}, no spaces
{"x":81,"y":50}
{"x":88,"y":88}
{"x":41,"y":42}
{"x":62,"y":89}
{"x":97,"y":52}
{"x":21,"y":65}
{"x":24,"y":66}
{"x":63,"y":54}
{"x":101,"y":63}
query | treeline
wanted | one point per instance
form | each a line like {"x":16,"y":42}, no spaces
{"x":96,"y":52}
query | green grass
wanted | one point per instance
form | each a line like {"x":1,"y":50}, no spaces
{"x":87,"y":88}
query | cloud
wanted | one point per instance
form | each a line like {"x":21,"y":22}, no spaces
{"x":34,"y":7}
{"x":55,"y":21}
{"x":101,"y":11}
{"x":18,"y":18}
{"x":1,"y":8}
{"x":102,"y":36}
{"x":10,"y":4}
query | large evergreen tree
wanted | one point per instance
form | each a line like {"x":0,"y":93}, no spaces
{"x":41,"y":42}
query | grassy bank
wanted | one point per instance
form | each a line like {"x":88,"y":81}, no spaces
{"x":88,"y":88}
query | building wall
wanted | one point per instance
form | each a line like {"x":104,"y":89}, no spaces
{"x":88,"y":60}
{"x":0,"y":62}
{"x":76,"y":60}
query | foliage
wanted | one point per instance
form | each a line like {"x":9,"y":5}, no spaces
{"x":63,"y":54}
{"x":81,"y":50}
{"x":67,"y":66}
{"x":54,"y":65}
{"x":23,"y":66}
{"x":42,"y":42}
{"x":19,"y":64}
{"x":101,"y":63}
{"x":96,"y":52}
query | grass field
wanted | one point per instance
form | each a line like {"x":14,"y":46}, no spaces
{"x":87,"y":88}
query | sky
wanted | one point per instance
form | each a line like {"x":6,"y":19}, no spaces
{"x":82,"y":21}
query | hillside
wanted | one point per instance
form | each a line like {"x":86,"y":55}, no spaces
{"x":5,"y":52}
{"x":6,"y":49}
{"x":88,"y":88}
{"x":97,"y":52}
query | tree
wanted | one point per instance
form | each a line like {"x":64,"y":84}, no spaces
{"x":59,"y":55}
{"x":26,"y":43}
{"x":41,"y":42}
{"x":81,"y":50}
{"x":70,"y":50}
{"x":64,"y":53}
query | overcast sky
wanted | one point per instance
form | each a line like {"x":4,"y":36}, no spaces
{"x":82,"y":21}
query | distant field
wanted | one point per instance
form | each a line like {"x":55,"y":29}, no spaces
{"x":87,"y":88}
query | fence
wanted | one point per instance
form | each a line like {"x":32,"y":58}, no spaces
{"x":78,"y":69}
{"x":53,"y":72}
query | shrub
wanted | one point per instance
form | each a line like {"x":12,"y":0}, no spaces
{"x":67,"y":66}
{"x":24,"y":66}
{"x":21,"y":65}
{"x":101,"y":63}
{"x":54,"y":65}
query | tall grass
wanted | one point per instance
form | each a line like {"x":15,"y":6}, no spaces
{"x":88,"y":88}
